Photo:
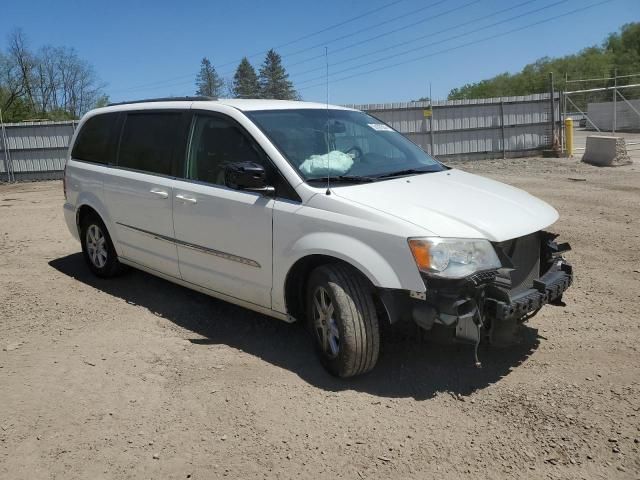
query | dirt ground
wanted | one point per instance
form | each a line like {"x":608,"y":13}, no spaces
{"x":138,"y":378}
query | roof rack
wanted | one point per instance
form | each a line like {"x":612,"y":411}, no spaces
{"x":165,"y":99}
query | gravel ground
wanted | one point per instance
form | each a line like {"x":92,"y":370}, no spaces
{"x":138,"y":378}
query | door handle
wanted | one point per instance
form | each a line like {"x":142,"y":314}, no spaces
{"x":159,"y":193}
{"x":186,"y":199}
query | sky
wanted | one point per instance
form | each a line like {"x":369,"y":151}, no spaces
{"x":377,"y":50}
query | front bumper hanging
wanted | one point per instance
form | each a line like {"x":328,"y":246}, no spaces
{"x":548,"y":289}
{"x":486,"y":301}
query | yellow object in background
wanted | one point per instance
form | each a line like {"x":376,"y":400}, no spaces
{"x":568,"y":130}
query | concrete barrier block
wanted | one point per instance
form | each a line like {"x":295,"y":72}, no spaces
{"x":606,"y":151}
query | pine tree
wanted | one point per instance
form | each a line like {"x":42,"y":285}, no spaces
{"x":245,"y":81}
{"x":274,"y":80}
{"x":208,"y":81}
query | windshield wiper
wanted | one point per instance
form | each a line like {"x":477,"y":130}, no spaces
{"x":400,"y":173}
{"x":343,"y":179}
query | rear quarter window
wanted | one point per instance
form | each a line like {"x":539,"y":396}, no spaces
{"x":94,"y":139}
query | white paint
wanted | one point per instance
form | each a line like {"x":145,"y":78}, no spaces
{"x":366,"y":225}
{"x":456,"y":204}
{"x":230,"y":221}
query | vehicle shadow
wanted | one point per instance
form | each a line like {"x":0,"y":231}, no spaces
{"x":408,"y":366}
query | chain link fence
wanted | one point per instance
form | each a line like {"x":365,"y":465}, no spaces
{"x":604,"y":106}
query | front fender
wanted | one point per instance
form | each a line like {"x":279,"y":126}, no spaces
{"x":355,"y":252}
{"x":371,"y":262}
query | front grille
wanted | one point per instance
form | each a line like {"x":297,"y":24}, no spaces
{"x":524,"y":254}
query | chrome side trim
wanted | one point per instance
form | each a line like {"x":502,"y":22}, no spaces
{"x":199,"y":248}
{"x":218,"y":253}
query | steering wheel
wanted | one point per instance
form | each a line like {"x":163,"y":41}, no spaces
{"x":356,"y":150}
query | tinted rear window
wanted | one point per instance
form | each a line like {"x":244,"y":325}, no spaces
{"x":94,"y":140}
{"x":148,"y":140}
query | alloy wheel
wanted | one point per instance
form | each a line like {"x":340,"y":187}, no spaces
{"x":325,"y":324}
{"x":96,"y":246}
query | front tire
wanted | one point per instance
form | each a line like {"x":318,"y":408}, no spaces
{"x":97,"y":248}
{"x":343,"y":320}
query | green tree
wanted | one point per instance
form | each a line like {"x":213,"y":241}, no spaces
{"x":624,"y":48}
{"x":274,"y":80}
{"x":17,"y":110}
{"x":620,"y":52}
{"x":208,"y":82}
{"x":51,"y":82}
{"x":245,"y":81}
{"x":59,"y":115}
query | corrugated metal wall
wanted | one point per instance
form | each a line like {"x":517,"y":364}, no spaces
{"x":38,"y":150}
{"x":601,"y":114}
{"x":472,"y":128}
{"x":510,"y":126}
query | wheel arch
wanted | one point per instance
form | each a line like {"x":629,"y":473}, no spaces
{"x":392,"y":272}
{"x":83,"y":212}
{"x":295,"y":285}
{"x":89,"y":203}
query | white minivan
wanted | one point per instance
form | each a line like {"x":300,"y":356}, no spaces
{"x":309,"y":212}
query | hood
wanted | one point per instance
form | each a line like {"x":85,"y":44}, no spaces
{"x":456,"y":204}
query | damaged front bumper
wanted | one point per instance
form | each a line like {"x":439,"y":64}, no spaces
{"x":491,"y":302}
{"x":547,"y":289}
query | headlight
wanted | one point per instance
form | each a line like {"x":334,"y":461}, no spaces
{"x":453,"y":257}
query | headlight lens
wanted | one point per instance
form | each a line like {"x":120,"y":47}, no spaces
{"x":453,"y":257}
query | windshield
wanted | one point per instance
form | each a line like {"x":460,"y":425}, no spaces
{"x":343,"y":144}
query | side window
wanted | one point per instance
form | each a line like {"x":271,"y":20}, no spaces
{"x":94,"y":140}
{"x":214,"y":143}
{"x":148,"y":140}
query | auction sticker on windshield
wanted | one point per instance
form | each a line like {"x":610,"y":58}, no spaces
{"x":380,"y":127}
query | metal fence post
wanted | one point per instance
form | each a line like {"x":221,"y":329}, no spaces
{"x":554,"y":137}
{"x":504,"y":147}
{"x":433,"y":153}
{"x":615,"y":89}
{"x":563,"y":106}
{"x":5,"y":148}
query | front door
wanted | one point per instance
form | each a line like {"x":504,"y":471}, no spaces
{"x":223,"y":235}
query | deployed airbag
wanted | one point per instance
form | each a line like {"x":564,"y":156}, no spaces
{"x":332,"y":163}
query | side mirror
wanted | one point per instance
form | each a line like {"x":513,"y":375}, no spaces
{"x":247,"y":176}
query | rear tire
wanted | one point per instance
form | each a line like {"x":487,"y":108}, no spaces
{"x":97,"y":248}
{"x":343,"y":319}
